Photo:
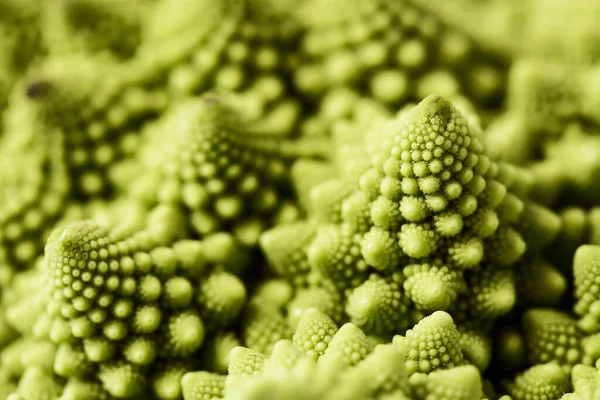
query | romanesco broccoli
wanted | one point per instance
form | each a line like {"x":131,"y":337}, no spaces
{"x":299,"y":199}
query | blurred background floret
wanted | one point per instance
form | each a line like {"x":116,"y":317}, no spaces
{"x":299,"y":199}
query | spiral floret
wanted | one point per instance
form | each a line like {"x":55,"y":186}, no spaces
{"x":126,"y":298}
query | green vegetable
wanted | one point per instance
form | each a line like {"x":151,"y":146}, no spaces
{"x":543,"y":381}
{"x":429,"y":201}
{"x":94,"y":26}
{"x":348,"y":367}
{"x":299,"y":199}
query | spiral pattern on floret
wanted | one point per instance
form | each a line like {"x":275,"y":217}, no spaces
{"x":128,"y":296}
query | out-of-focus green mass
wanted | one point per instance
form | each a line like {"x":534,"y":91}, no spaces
{"x":391,"y":52}
{"x":299,"y":199}
{"x":563,"y":30}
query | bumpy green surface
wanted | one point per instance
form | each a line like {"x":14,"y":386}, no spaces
{"x":392,"y":51}
{"x":432,"y":221}
{"x":211,"y":166}
{"x":347,"y":368}
{"x":32,"y":197}
{"x":122,"y":299}
{"x":299,"y":199}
